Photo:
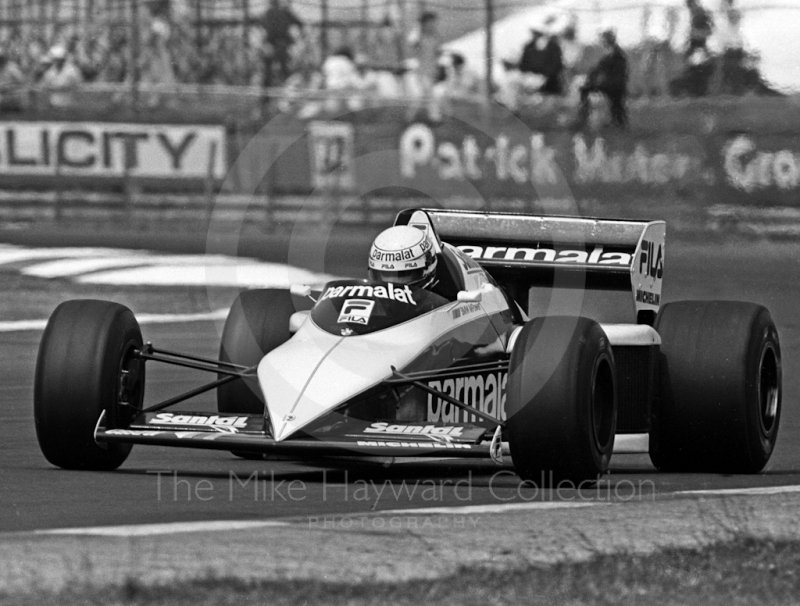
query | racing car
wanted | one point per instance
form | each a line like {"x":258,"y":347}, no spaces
{"x":548,"y":343}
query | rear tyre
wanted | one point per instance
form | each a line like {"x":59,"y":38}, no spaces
{"x":86,"y":365}
{"x":720,"y":403}
{"x":561,"y":402}
{"x":257,"y":323}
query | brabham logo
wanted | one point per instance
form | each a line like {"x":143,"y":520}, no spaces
{"x":464,"y":310}
{"x":548,"y":255}
{"x":365,"y":290}
{"x":486,"y":392}
{"x":214,"y":422}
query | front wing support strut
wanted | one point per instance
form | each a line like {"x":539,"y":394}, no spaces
{"x":230,"y":371}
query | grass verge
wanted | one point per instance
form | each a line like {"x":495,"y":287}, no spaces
{"x":744,"y":571}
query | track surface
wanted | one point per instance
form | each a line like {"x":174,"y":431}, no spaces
{"x":205,"y":485}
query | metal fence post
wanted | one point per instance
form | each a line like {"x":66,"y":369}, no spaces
{"x":489,"y":49}
{"x":324,"y":30}
{"x":135,"y":54}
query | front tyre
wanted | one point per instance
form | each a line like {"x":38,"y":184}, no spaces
{"x":561,"y":402}
{"x":257,"y":323}
{"x":720,"y":404}
{"x":86,"y":365}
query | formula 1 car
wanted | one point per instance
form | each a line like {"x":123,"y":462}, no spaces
{"x":552,"y":347}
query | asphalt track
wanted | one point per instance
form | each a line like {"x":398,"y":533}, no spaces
{"x":161,"y":485}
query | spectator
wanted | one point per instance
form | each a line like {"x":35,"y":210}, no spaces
{"x":460,"y":81}
{"x":572,"y":53}
{"x":61,"y":78}
{"x":730,"y":31}
{"x":532,"y":60}
{"x":278,"y":23}
{"x":387,"y":43}
{"x":426,"y":50}
{"x":656,"y":55}
{"x":701,"y":25}
{"x":510,"y":86}
{"x":11,"y":84}
{"x":340,"y":70}
{"x":696,"y":77}
{"x":156,"y":61}
{"x":425,"y":42}
{"x":553,"y":62}
{"x":609,"y":77}
{"x":730,"y":73}
{"x":543,"y":56}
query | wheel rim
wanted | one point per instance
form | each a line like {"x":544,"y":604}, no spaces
{"x":129,"y":386}
{"x":603,"y":404}
{"x":768,"y":388}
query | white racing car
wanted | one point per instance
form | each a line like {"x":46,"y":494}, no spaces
{"x":546,"y":340}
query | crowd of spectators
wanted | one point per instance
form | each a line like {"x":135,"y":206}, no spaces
{"x":553,"y":64}
{"x":280,"y":51}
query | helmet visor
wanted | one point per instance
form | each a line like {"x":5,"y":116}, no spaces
{"x":408,"y":276}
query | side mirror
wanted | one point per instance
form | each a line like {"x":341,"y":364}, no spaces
{"x":300,"y":290}
{"x":296,"y":320}
{"x":469,"y":296}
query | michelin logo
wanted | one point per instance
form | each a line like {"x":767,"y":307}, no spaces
{"x":447,"y":446}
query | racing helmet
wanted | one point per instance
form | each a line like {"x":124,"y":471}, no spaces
{"x":403,"y":255}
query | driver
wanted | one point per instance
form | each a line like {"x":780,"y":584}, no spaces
{"x":403,"y":255}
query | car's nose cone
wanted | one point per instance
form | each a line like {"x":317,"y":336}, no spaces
{"x":315,"y":371}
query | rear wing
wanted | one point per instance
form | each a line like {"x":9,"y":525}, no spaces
{"x":521,"y":251}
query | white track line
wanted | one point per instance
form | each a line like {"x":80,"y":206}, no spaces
{"x":147,"y":530}
{"x":68,"y":267}
{"x":478,"y":509}
{"x":251,"y":275}
{"x":220,"y":314}
{"x":142,"y":268}
{"x":759,"y":490}
{"x":15,"y":254}
{"x":64,"y":268}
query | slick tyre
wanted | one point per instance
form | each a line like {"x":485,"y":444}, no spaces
{"x":720,"y":404}
{"x":561,"y":402}
{"x":86,"y":365}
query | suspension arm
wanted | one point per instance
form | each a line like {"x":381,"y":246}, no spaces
{"x":148,"y":352}
{"x":448,"y":372}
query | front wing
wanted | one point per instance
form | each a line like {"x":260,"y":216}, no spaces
{"x":360,"y":439}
